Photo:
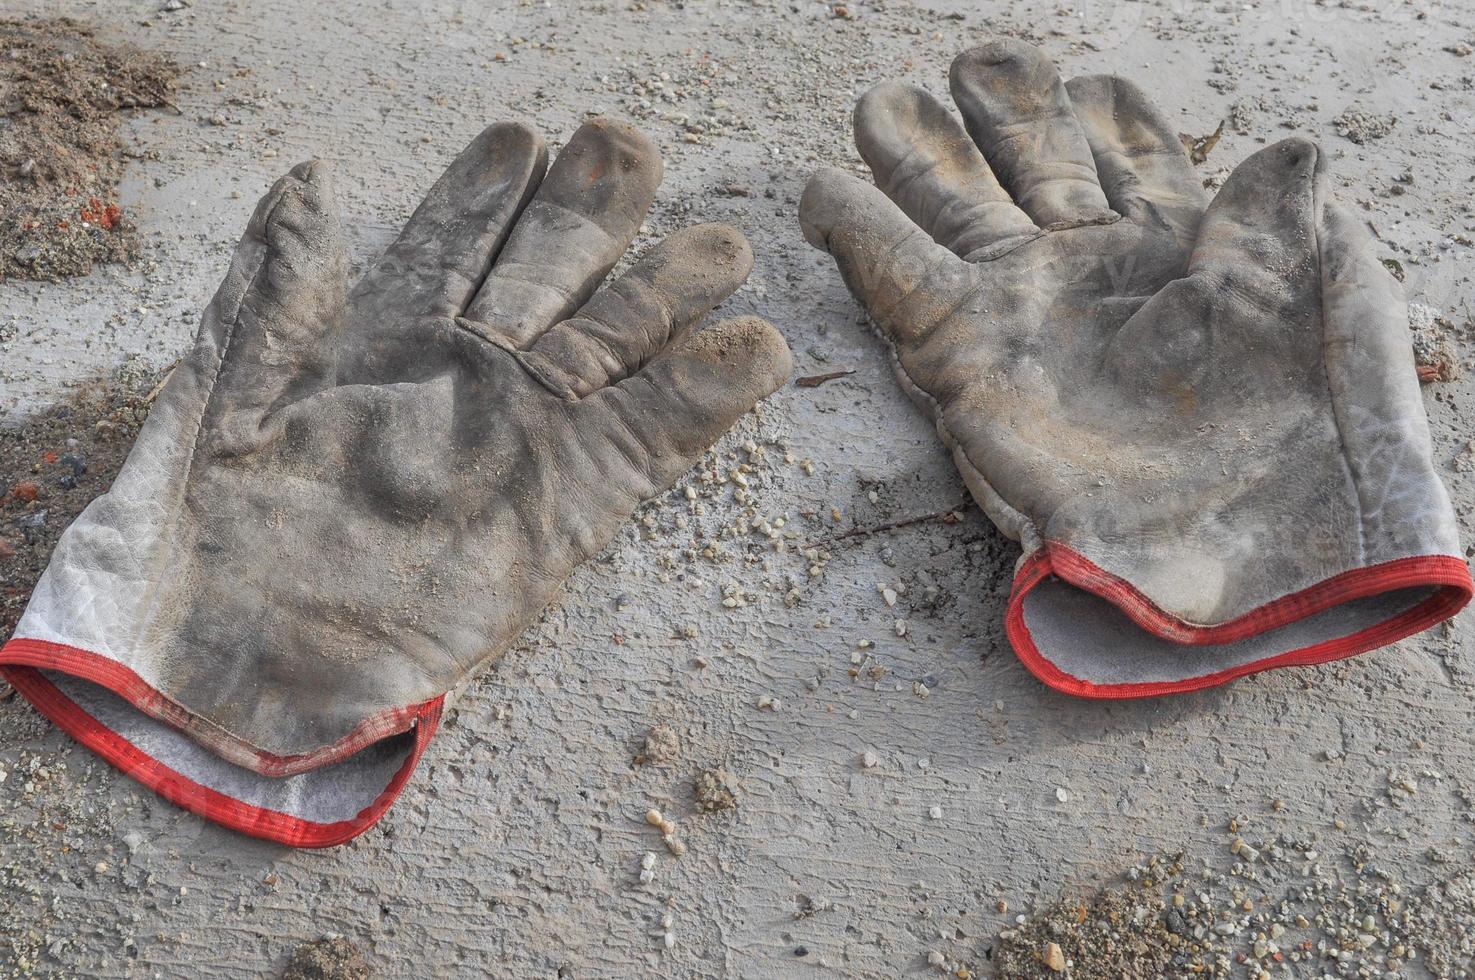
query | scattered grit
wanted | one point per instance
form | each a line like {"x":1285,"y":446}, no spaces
{"x":1285,"y":906}
{"x":60,"y":156}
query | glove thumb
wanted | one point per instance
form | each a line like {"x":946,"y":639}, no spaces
{"x":286,"y":292}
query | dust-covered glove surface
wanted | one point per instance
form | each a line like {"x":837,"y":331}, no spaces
{"x":345,"y":501}
{"x":1200,"y":419}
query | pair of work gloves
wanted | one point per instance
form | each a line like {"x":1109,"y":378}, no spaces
{"x":1200,"y":419}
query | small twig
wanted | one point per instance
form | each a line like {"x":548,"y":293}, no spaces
{"x":949,"y":516}
{"x":1199,"y":147}
{"x":815,"y":380}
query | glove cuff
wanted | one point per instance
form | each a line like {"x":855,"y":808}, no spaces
{"x":1089,"y":633}
{"x":114,"y":712}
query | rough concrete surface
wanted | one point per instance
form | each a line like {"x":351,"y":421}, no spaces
{"x":898,"y":803}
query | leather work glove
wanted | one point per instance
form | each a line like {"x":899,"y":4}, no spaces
{"x":345,"y":502}
{"x":1199,"y":419}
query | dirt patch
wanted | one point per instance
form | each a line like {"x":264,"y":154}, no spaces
{"x":61,"y":92}
{"x":1283,"y":907}
{"x":333,"y":958}
{"x":1361,"y":126}
{"x":52,"y":467}
{"x":1435,"y":356}
{"x":715,"y":790}
{"x":662,"y":745}
{"x":1119,"y":933}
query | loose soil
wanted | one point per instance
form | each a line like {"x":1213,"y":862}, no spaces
{"x":332,"y":958}
{"x":61,"y":93}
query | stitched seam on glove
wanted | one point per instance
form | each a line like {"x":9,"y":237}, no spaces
{"x":1337,"y":409}
{"x":232,"y":324}
{"x":563,"y":392}
{"x":960,"y":453}
{"x":1000,"y":249}
{"x":667,"y":319}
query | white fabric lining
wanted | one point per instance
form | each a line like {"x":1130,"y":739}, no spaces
{"x":1087,"y":637}
{"x":328,"y":795}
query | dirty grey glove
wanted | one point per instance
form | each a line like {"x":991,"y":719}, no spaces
{"x":1200,"y":420}
{"x":344,"y":503}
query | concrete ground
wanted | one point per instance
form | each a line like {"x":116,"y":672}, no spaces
{"x":516,"y":849}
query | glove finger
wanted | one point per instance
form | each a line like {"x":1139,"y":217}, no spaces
{"x":665,"y":416}
{"x":286,"y":289}
{"x":1139,"y":158}
{"x":628,"y":322}
{"x":581,"y":221}
{"x":922,"y":160}
{"x":1248,"y":314}
{"x":907,"y":282}
{"x":1258,"y":231}
{"x":440,"y":258}
{"x":1017,"y":111}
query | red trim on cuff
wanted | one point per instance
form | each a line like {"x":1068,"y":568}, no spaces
{"x":122,"y":681}
{"x":1448,"y":576}
{"x":201,"y":800}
